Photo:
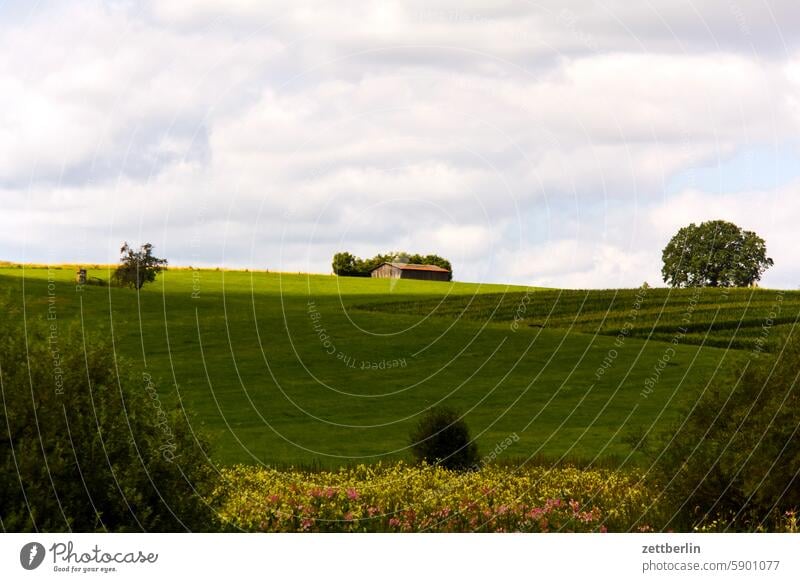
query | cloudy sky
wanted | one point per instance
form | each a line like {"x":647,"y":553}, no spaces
{"x":544,"y":142}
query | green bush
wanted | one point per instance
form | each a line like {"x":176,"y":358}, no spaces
{"x":442,"y":438}
{"x":733,"y":463}
{"x":87,"y":444}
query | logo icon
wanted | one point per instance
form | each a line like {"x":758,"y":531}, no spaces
{"x":31,"y":555}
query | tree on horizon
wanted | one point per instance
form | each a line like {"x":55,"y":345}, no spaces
{"x":715,"y":253}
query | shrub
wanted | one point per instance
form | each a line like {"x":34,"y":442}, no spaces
{"x":733,"y":462}
{"x":88,"y":445}
{"x":442,"y":438}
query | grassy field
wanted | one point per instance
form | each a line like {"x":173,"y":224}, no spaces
{"x":317,"y":370}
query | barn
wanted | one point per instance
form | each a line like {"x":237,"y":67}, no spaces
{"x":409,"y":271}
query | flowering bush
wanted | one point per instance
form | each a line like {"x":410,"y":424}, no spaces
{"x":403,"y":498}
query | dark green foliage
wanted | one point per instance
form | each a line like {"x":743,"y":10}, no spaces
{"x":442,"y":437}
{"x":714,"y":254}
{"x":345,"y":264}
{"x":138,"y":267}
{"x":348,"y":265}
{"x":735,"y":457}
{"x":88,"y":445}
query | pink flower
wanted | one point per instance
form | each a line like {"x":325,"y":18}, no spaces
{"x":586,"y":516}
{"x":394,"y":522}
{"x":352,"y":493}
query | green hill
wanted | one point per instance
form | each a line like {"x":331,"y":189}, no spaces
{"x":295,"y":369}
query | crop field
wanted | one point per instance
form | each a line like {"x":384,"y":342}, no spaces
{"x":319,"y":371}
{"x":752,"y":319}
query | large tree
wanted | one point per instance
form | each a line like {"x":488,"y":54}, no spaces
{"x":714,"y":254}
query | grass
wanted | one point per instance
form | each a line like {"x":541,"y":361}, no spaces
{"x":311,"y":370}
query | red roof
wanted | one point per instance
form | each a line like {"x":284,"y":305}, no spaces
{"x":410,"y":267}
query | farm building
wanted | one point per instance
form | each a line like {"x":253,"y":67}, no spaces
{"x":409,"y":271}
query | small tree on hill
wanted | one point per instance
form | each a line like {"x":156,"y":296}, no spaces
{"x":138,"y":267}
{"x":714,"y":254}
{"x":344,"y":264}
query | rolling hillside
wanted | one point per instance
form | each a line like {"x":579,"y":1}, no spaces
{"x":296,"y":370}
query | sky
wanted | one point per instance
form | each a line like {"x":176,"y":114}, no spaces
{"x":555,"y":143}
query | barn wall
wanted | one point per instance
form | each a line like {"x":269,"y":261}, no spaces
{"x":392,"y":272}
{"x":386,"y":272}
{"x":424,"y":275}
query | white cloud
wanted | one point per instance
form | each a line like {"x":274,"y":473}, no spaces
{"x":530,"y":143}
{"x":581,"y":264}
